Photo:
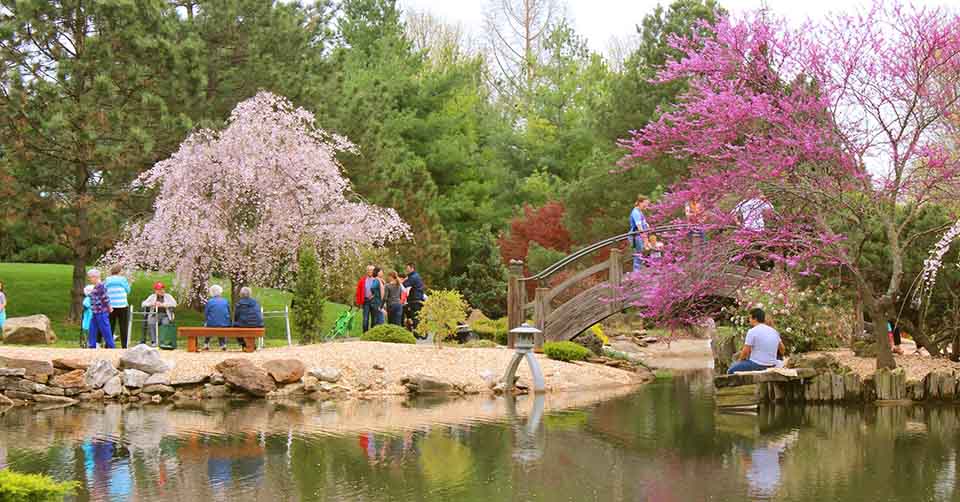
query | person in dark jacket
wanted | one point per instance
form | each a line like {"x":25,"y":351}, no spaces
{"x":247,"y":313}
{"x":416,"y":296}
{"x":216,"y":315}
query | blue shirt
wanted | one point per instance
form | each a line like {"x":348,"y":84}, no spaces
{"x":415,"y":283}
{"x":248,"y":314}
{"x":118,"y":287}
{"x":217,"y":313}
{"x":638,"y":223}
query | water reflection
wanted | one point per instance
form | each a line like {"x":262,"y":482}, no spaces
{"x":662,"y":443}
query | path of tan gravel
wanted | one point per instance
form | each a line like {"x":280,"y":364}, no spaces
{"x":916,"y":365}
{"x":356,"y":360}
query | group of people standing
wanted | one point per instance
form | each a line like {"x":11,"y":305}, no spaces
{"x":106,"y":309}
{"x":399,"y":297}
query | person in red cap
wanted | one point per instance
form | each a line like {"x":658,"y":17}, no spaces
{"x":160,"y":305}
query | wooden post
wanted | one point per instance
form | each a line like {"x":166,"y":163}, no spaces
{"x":516,"y":298}
{"x":541,"y":309}
{"x":615,"y":279}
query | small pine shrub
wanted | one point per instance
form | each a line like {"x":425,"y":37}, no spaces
{"x":566,"y":351}
{"x":17,"y":487}
{"x":388,"y":333}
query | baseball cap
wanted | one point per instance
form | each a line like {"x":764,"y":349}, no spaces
{"x":158,"y":285}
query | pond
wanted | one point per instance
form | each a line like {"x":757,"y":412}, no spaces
{"x":663,"y":442}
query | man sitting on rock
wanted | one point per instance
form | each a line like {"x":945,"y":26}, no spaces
{"x":247,"y":313}
{"x":761,"y":347}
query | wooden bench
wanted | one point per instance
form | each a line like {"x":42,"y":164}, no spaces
{"x":248,"y":335}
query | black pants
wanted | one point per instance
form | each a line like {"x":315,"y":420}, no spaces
{"x":121,"y":316}
{"x":413,"y":310}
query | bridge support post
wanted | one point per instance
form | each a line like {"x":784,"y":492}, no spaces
{"x":516,"y":299}
{"x":615,"y":279}
{"x":541,"y":308}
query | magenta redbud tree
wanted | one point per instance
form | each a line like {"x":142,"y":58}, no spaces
{"x":838,"y":124}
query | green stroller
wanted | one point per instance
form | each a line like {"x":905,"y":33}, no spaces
{"x":342,"y":327}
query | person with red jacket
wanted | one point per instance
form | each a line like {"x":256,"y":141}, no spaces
{"x":363,"y":294}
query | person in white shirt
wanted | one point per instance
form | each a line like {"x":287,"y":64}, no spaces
{"x":761,"y":348}
{"x":751,"y":213}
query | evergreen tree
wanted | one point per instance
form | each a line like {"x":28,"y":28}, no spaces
{"x":84,"y":107}
{"x":308,"y":296}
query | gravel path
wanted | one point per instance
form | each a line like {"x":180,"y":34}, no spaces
{"x":356,"y":360}
{"x":916,"y":365}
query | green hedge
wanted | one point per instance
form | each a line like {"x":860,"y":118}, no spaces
{"x":495,"y":331}
{"x":389,"y":333}
{"x":17,"y":487}
{"x":566,"y":351}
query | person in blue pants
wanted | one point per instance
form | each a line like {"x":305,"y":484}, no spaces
{"x":638,"y":223}
{"x":100,"y":307}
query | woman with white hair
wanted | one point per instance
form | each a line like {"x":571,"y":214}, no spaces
{"x":247,"y":313}
{"x":100,"y":308}
{"x":216,"y":315}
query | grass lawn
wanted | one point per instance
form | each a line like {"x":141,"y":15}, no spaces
{"x":45,"y":289}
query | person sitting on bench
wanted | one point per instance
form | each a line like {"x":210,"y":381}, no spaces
{"x":761,"y":347}
{"x":247,"y":313}
{"x":216,"y":314}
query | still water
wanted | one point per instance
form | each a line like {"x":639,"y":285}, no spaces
{"x":663,"y":442}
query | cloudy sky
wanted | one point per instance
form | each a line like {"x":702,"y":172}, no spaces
{"x":600,"y":20}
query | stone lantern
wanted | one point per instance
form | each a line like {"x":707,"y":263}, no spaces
{"x":525,"y":336}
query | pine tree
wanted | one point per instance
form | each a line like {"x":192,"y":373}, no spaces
{"x":308,"y":296}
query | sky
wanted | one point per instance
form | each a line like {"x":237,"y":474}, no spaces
{"x":601,"y":20}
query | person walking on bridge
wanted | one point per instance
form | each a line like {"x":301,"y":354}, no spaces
{"x":638,"y":223}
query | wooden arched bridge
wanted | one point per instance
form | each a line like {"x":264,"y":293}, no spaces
{"x":589,"y":295}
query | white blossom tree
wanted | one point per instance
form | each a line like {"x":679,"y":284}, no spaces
{"x":239,"y":202}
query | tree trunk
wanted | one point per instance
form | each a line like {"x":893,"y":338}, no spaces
{"x":235,"y":285}
{"x":919,"y":336}
{"x":878,"y":321}
{"x":76,"y":290}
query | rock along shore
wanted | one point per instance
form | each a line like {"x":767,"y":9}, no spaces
{"x":63,"y":377}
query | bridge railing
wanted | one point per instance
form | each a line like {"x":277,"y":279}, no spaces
{"x":612,"y":268}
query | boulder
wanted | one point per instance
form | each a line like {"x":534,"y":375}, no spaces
{"x":72,"y":380}
{"x":242,"y":373}
{"x":310,"y":383}
{"x":70,"y":364}
{"x":165,"y":390}
{"x":591,"y":341}
{"x":38,"y":378}
{"x":144,"y":358}
{"x":288,"y":391}
{"x":12,"y":372}
{"x":425,"y":384}
{"x":50,"y":391}
{"x":66,"y":401}
{"x":285,"y":371}
{"x":158,"y":379}
{"x":30,"y":330}
{"x":134,"y":379}
{"x":32,"y":367}
{"x":95,"y":395}
{"x":99,"y":372}
{"x":188,"y":380}
{"x":217,"y":379}
{"x":331,"y":375}
{"x":822,"y":363}
{"x":113,"y":387}
{"x":211,"y":391}
{"x":22,"y":396}
{"x":5,"y":401}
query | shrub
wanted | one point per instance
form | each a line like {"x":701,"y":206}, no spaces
{"x":565,"y":351}
{"x":17,"y":487}
{"x":308,"y":296}
{"x":443,"y":311}
{"x":389,"y":333}
{"x":495,"y":331}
